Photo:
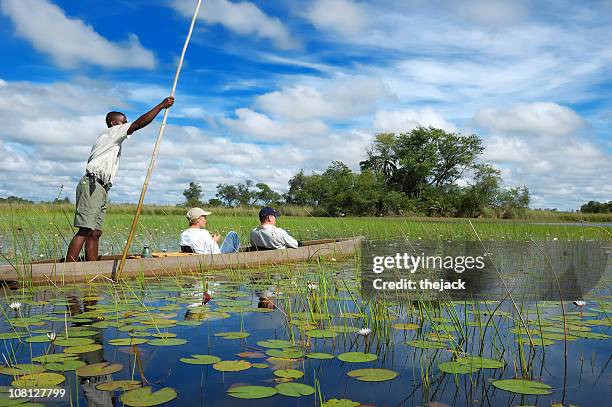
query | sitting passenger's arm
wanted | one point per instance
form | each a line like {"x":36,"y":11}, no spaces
{"x":290,"y":242}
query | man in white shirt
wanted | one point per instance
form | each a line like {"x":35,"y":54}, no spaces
{"x":198,"y":240}
{"x":267,"y":235}
{"x":92,"y":189}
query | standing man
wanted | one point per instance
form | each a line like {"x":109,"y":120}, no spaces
{"x":92,"y":190}
{"x":268,"y":236}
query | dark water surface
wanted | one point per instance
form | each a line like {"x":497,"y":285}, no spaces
{"x":324,"y":298}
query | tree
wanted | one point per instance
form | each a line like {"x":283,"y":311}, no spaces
{"x":228,"y":193}
{"x":192,"y":194}
{"x":266,"y":195}
{"x":245,"y":194}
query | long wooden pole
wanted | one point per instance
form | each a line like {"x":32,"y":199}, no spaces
{"x":155,"y":149}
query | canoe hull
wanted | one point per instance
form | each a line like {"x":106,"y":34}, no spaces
{"x":67,"y":273}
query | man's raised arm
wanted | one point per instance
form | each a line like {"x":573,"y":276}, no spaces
{"x":148,"y":117}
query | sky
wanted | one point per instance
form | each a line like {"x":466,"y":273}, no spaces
{"x":272,"y":87}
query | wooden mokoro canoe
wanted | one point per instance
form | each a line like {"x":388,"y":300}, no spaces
{"x":168,"y":264}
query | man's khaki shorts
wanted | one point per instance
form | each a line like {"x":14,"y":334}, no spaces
{"x":91,"y":201}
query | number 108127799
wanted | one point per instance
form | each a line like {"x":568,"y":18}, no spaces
{"x":51,"y":393}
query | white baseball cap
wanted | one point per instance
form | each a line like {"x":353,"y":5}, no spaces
{"x":195,"y":213}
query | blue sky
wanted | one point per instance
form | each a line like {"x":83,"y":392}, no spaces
{"x":269,"y":88}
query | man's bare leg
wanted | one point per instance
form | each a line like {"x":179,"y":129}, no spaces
{"x":91,"y":245}
{"x":76,"y":244}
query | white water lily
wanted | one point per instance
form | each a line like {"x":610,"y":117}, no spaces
{"x":195,"y":304}
{"x":210,"y":292}
{"x":51,"y":335}
{"x":364,"y":331}
{"x":311,"y":286}
{"x":215,"y":284}
{"x":15,"y":306}
{"x":580,"y":303}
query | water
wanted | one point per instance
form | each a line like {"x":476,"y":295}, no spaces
{"x":331,"y":301}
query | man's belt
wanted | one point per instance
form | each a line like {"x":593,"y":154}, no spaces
{"x":92,"y":176}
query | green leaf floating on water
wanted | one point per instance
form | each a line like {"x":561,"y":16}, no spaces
{"x":82,"y":333}
{"x":340,"y":403}
{"x":165,"y":335}
{"x":427,"y":344}
{"x":295,"y":389}
{"x":372,"y":375}
{"x":260,"y":365}
{"x":357,"y":357}
{"x":21,"y":369}
{"x":522,"y":386}
{"x":74,"y":341}
{"x":54,"y":357}
{"x":123,"y":385}
{"x":455,"y":367}
{"x":38,"y":339}
{"x":275,"y":344}
{"x":98,"y":369}
{"x":319,"y":355}
{"x":406,"y":327}
{"x":83,"y":349}
{"x":127,"y":341}
{"x":252,"y":392}
{"x":168,"y":342}
{"x":285,"y":353}
{"x":289,"y":373}
{"x":321,"y":333}
{"x":39,"y":380}
{"x":483,"y":363}
{"x":66,"y":365}
{"x":12,"y":335}
{"x":145,"y":397}
{"x":232,"y":335}
{"x":232,"y":365}
{"x":201,"y":359}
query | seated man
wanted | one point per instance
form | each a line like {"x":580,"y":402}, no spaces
{"x":267,"y":235}
{"x":200,"y":241}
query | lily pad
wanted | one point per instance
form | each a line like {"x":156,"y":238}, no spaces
{"x":427,"y":344}
{"x":357,"y":357}
{"x":123,"y":385}
{"x":21,"y":369}
{"x":73,"y":341}
{"x":522,"y":386}
{"x":38,"y":339}
{"x":455,"y":367}
{"x":168,"y":342}
{"x":289,"y":373}
{"x":251,"y":355}
{"x":285,"y":353}
{"x":405,"y":327}
{"x":319,"y":355}
{"x":201,"y":359}
{"x":252,"y":392}
{"x":294,"y":389}
{"x":54,"y":357}
{"x":145,"y":397}
{"x":483,"y":363}
{"x":232,"y":365}
{"x":372,"y":375}
{"x":165,"y":335}
{"x":66,"y":365}
{"x":99,"y":369}
{"x":340,"y":403}
{"x":275,"y":344}
{"x":127,"y":341}
{"x":39,"y":380}
{"x":321,"y":333}
{"x":260,"y":365}
{"x":232,"y":335}
{"x":83,"y":349}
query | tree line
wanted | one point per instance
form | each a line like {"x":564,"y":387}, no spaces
{"x":596,"y":207}
{"x":426,"y":171}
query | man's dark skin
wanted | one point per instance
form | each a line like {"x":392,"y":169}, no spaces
{"x":91,"y":237}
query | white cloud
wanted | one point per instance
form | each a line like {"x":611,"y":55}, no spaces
{"x":541,"y":118}
{"x":243,"y":18}
{"x":543,"y":146}
{"x":337,"y":98}
{"x":261,"y":127}
{"x":490,"y":12}
{"x":405,"y":120}
{"x":69,"y":41}
{"x":342,"y":16}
